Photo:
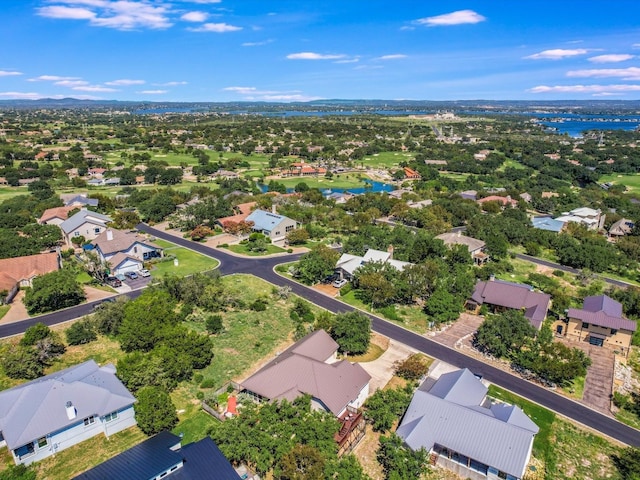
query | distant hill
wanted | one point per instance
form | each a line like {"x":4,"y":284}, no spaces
{"x":363,"y":105}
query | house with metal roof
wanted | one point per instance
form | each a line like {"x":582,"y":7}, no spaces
{"x":347,"y":264}
{"x":271,"y":224}
{"x":599,"y":322}
{"x":310,"y":367}
{"x":55,"y":412}
{"x":124,"y":251}
{"x":500,"y":295}
{"x":592,"y":219}
{"x":621,"y":228}
{"x":163,"y":456}
{"x":454,"y":420}
{"x":85,"y":224}
{"x":548,"y":223}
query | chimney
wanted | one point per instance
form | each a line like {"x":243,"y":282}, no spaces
{"x":109,"y":235}
{"x":459,"y":233}
{"x":71,"y":411}
{"x":273,"y":209}
{"x":390,"y":251}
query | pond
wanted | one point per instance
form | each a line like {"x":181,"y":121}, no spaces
{"x":370,"y":186}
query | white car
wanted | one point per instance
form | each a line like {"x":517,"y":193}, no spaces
{"x":144,"y":273}
{"x":339,"y":283}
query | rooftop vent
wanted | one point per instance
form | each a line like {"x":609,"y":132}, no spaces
{"x":71,"y":411}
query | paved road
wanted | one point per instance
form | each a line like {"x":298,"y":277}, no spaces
{"x":575,"y":271}
{"x":263,"y":268}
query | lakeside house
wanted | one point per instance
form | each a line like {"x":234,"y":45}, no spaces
{"x":271,"y":224}
{"x":465,"y":432}
{"x":52,"y":413}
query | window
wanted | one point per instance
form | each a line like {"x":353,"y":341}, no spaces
{"x":76,"y":233}
{"x":25,"y":450}
{"x":89,"y":421}
{"x":135,"y":249}
{"x":585,"y":325}
{"x":614,"y":331}
{"x":288,"y":228}
{"x":96,"y":230}
{"x":42,"y":442}
{"x":110,"y":416}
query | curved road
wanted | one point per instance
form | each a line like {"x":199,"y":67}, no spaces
{"x":263,"y":268}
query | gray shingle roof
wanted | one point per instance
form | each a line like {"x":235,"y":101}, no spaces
{"x":456,"y":238}
{"x":84,"y":216}
{"x":500,"y":436}
{"x":120,"y":241}
{"x":37,"y":408}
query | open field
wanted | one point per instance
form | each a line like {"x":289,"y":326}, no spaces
{"x":242,"y":249}
{"x":345,"y":180}
{"x":408,"y":316}
{"x":631,"y":181}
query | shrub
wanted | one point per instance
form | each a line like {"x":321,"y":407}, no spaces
{"x":259,"y":305}
{"x":81,"y":332}
{"x":207,"y":383}
{"x":558,"y":273}
{"x":390,"y":312}
{"x":413,"y":367}
{"x":37,"y":332}
{"x":346,"y":289}
{"x":214,"y":324}
{"x":22,"y":363}
{"x":198,"y":377}
{"x":200,"y":395}
{"x":155,"y":411}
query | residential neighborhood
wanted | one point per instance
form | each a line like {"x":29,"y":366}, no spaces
{"x":239,"y":297}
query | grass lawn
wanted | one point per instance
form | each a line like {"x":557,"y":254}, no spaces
{"x":83,"y":278}
{"x":345,"y":180}
{"x":189,"y":262}
{"x":3,"y":310}
{"x":242,"y":249}
{"x":410,"y":317}
{"x":387,"y":159}
{"x":565,"y":450}
{"x":631,"y":181}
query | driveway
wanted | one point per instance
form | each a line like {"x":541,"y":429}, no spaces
{"x":382,"y":368}
{"x":461,"y":331}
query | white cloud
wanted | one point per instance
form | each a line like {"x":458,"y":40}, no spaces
{"x":395,"y":56}
{"x":584,"y":88}
{"x":21,"y":95}
{"x":631,"y":73}
{"x":170,"y":84}
{"x":9,"y":73}
{"x":195,"y":16}
{"x":118,"y":14}
{"x":71,"y":83}
{"x":153,"y":92}
{"x":558,"y":53}
{"x":124,"y":82}
{"x":314,"y":56}
{"x":205,"y":2}
{"x":257,"y":44}
{"x":51,"y":78}
{"x":611,"y":58}
{"x":216,"y":27}
{"x":635,"y":45}
{"x":454,"y":18}
{"x":94,"y":88}
{"x":348,"y":60}
{"x":253,"y":94}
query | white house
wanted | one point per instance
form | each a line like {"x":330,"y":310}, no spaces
{"x":348,"y":264}
{"x":271,"y":224}
{"x":85,"y":224}
{"x":124,"y":251}
{"x":592,"y":219}
{"x":57,"y":411}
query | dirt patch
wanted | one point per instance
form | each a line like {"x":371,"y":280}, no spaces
{"x":327,"y":289}
{"x":366,"y":451}
{"x":231,"y":351}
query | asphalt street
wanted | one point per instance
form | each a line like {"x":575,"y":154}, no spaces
{"x":263,"y":268}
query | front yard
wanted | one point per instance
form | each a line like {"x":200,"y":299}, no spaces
{"x":189,"y":262}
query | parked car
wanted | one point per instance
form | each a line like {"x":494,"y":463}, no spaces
{"x":339,"y":283}
{"x":144,"y":273}
{"x":131,"y":275}
{"x":113,"y":282}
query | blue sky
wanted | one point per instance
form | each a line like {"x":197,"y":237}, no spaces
{"x":298,"y":50}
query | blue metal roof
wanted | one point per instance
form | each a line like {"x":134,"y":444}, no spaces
{"x":201,"y":460}
{"x":547,"y":223}
{"x":265,"y":220}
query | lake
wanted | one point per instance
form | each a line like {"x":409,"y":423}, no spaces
{"x":374,"y":187}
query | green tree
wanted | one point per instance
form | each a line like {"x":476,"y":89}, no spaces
{"x":53,"y":291}
{"x":504,"y":335}
{"x":18,"y":472}
{"x":317,"y":264}
{"x":145,"y":320}
{"x":385,"y":407}
{"x":214,"y":324}
{"x":302,"y":463}
{"x":81,"y":332}
{"x":297,"y":236}
{"x":398,"y":461}
{"x":345,"y":468}
{"x":35,"y":333}
{"x":442,"y":306}
{"x":22,"y":362}
{"x":628,"y":463}
{"x":352,"y":332}
{"x":155,"y":411}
